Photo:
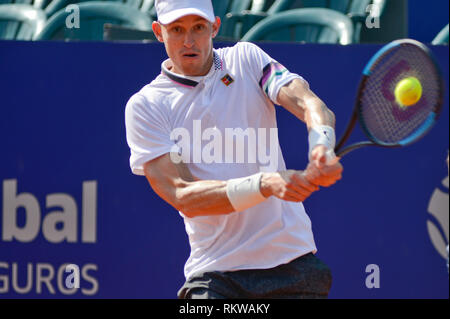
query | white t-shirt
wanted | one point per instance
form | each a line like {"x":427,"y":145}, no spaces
{"x":224,"y":126}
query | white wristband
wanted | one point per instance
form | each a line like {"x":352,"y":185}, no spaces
{"x":321,"y":135}
{"x":244,"y":192}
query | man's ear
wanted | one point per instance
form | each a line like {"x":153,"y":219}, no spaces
{"x":156,"y":26}
{"x":216,"y":27}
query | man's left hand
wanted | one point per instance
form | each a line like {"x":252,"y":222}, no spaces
{"x":323,"y":170}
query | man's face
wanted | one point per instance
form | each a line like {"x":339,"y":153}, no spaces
{"x":188,"y":43}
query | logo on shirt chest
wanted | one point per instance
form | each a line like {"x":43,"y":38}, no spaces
{"x":227,"y":80}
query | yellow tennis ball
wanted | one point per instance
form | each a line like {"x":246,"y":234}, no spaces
{"x":408,"y":91}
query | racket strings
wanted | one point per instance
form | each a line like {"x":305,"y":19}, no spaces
{"x":382,"y":118}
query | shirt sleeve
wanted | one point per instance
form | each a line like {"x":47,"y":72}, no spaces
{"x":147,"y":131}
{"x":270,"y":74}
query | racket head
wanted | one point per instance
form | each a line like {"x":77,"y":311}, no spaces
{"x":382,"y":119}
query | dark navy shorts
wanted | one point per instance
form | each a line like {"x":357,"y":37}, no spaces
{"x":304,"y":277}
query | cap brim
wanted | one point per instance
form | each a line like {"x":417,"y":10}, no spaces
{"x":177,"y":14}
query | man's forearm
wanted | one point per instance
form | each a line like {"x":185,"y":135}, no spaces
{"x":193,"y":197}
{"x":215,"y":197}
{"x":203,"y":198}
{"x":317,"y":113}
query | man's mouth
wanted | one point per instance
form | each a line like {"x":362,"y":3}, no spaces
{"x":190,"y":55}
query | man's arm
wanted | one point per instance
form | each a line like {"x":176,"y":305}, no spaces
{"x":297,"y":98}
{"x":175,"y":184}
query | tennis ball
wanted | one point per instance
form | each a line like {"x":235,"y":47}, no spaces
{"x":408,"y":91}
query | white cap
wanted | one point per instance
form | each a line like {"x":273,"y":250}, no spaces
{"x":170,"y":10}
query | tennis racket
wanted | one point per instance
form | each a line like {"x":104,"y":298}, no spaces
{"x":381,"y":118}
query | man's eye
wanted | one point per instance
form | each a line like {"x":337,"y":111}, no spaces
{"x":199,"y":27}
{"x":176,"y":29}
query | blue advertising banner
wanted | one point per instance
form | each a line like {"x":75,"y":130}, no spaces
{"x":68,"y":196}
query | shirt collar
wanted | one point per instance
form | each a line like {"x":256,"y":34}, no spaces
{"x":191,"y":81}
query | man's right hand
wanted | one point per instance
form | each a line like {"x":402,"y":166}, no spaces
{"x":290,"y":185}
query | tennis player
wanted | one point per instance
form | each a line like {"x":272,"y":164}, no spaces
{"x":249,"y":234}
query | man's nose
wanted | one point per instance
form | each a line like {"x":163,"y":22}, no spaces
{"x":189,"y":40}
